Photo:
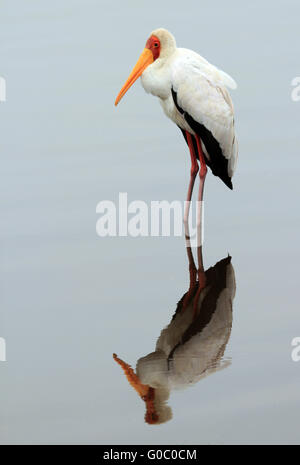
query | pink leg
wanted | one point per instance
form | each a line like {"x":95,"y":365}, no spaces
{"x":194,"y":171}
{"x":192,"y":267}
{"x":202,"y":174}
{"x":201,"y":273}
{"x":203,"y":168}
{"x":193,"y":279}
{"x":201,"y":281}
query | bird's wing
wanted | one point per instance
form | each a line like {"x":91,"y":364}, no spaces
{"x":219,"y":77}
{"x":199,"y":92}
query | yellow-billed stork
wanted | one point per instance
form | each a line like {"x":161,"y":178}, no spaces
{"x":193,"y":94}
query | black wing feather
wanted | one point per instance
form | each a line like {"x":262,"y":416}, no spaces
{"x":217,"y":162}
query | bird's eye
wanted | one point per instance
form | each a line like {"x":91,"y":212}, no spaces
{"x":155,"y":44}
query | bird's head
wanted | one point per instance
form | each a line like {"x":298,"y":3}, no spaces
{"x":161,"y":44}
{"x":157,"y":411}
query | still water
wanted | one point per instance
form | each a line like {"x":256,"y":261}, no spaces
{"x":70,"y":299}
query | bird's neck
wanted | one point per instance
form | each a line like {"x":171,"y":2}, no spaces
{"x":156,"y":79}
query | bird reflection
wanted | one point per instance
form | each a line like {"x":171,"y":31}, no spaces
{"x":192,"y":346}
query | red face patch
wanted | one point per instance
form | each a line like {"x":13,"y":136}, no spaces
{"x":153,"y":43}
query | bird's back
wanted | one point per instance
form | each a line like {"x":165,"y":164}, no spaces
{"x":210,"y":71}
{"x":200,"y":103}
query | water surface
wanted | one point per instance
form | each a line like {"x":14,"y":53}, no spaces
{"x":70,"y":299}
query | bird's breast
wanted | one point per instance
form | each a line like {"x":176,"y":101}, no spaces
{"x":171,"y":112}
{"x":156,"y":81}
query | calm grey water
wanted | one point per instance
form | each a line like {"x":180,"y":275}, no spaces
{"x":70,"y":299}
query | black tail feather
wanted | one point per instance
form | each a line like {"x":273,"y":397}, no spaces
{"x":222,"y":174}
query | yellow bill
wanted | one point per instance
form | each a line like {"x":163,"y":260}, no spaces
{"x":145,"y":60}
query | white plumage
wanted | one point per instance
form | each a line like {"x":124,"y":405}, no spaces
{"x":194,"y":95}
{"x":192,"y":346}
{"x":201,"y":92}
{"x":202,"y":353}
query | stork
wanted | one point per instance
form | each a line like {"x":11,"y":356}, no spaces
{"x":193,"y":94}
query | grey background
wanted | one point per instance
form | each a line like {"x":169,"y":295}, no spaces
{"x":69,"y":299}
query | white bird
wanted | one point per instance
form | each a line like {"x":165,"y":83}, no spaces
{"x":191,"y":347}
{"x":193,"y":94}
